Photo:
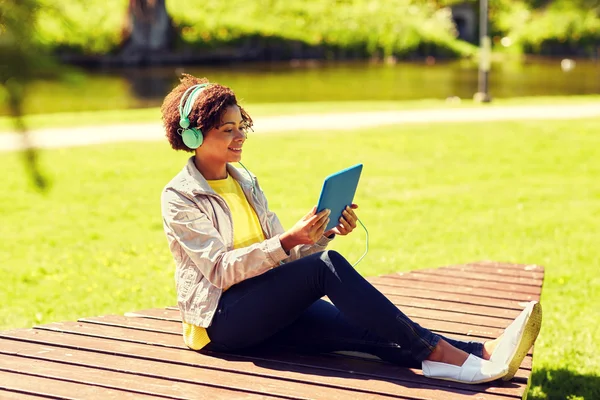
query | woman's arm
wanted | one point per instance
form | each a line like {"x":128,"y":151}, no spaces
{"x":296,"y":251}
{"x":204,"y":245}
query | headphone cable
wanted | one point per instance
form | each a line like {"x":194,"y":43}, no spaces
{"x":366,"y":243}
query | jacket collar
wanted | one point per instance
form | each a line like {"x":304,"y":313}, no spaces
{"x":193,"y":182}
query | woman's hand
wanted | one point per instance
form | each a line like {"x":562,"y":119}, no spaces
{"x":306,"y":231}
{"x":347,"y":222}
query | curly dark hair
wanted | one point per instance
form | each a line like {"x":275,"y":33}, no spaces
{"x":206,"y":113}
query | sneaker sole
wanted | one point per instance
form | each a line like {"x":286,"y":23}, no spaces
{"x":468,"y":383}
{"x":530,"y":333}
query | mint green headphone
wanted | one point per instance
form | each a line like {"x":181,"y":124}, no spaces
{"x":192,"y":137}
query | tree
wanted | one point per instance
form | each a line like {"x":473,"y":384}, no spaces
{"x":148,"y":30}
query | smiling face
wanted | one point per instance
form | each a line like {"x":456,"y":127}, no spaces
{"x":223,"y":143}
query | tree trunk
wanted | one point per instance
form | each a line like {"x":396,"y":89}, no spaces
{"x":148,"y":31}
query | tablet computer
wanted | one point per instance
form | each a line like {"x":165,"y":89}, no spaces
{"x":338,"y":192}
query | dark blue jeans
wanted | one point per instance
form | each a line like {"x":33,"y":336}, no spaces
{"x":284,"y":307}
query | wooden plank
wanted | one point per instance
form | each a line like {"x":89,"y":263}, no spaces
{"x":30,"y":385}
{"x":152,"y":325}
{"x":122,"y":381}
{"x":466,"y":281}
{"x":506,"y":265}
{"x":164,"y":314}
{"x":403,"y":282}
{"x":474,"y":301}
{"x":496,"y":271}
{"x":222,"y":379}
{"x":455,"y":317}
{"x":315,"y":368}
{"x":124,"y":334}
{"x":482,"y":276}
{"x":14,"y":395}
{"x":330,"y":387}
{"x":408,"y":291}
{"x":464,"y":308}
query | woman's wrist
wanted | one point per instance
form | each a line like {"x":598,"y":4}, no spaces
{"x":287,"y":242}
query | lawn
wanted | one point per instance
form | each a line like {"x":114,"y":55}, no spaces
{"x":107,"y":117}
{"x":430,"y":195}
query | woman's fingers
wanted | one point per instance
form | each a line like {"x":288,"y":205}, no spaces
{"x":344,"y":224}
{"x":316,"y":225}
{"x":350,"y":217}
{"x":319,"y":232}
{"x":347,"y":221}
{"x":322,"y":222}
{"x":318,"y":218}
{"x":310,"y":214}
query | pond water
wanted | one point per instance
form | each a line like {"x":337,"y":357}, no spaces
{"x":317,"y":81}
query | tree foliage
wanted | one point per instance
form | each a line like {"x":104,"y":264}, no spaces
{"x":379,"y":26}
{"x":544,"y":26}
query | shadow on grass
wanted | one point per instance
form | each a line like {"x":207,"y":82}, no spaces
{"x":563,"y":384}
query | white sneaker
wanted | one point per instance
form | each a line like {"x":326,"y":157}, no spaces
{"x":518,"y":339}
{"x":474,"y":370}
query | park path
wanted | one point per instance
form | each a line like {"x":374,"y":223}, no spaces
{"x":89,"y":135}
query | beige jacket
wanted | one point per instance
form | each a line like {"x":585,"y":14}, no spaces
{"x":199,"y":230}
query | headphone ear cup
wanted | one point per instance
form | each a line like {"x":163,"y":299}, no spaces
{"x":192,"y":138}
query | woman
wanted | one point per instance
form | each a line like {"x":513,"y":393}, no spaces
{"x":243,"y":280}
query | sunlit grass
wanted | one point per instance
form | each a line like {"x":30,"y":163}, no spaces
{"x":430,"y":195}
{"x":145,"y":115}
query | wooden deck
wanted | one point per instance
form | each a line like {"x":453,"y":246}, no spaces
{"x":142,"y":355}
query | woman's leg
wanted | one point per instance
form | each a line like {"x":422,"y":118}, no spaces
{"x":258,"y":308}
{"x":323,"y":328}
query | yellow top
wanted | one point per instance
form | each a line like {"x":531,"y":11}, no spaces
{"x":247,"y":231}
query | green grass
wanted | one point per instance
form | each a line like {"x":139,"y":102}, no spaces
{"x":430,"y":195}
{"x":143,"y":115}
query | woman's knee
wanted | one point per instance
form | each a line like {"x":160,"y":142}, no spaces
{"x":334,"y":256}
{"x":334,"y":260}
{"x":328,"y":261}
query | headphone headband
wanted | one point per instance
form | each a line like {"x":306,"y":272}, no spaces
{"x":185,"y":109}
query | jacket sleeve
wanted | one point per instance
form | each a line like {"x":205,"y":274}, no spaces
{"x":199,"y":240}
{"x":298,"y":251}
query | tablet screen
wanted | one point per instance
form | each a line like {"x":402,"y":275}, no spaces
{"x":338,"y":192}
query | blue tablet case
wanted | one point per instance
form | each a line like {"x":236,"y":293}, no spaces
{"x":338,"y":192}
